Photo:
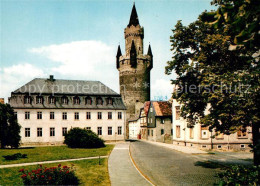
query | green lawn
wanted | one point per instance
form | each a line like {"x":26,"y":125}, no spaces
{"x":36,"y":154}
{"x":88,"y":171}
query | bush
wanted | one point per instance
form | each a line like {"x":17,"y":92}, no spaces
{"x":15,"y":156}
{"x":82,"y":138}
{"x":240,"y":175}
{"x":50,"y":176}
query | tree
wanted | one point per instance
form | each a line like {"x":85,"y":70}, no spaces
{"x":9,"y":128}
{"x":216,"y":62}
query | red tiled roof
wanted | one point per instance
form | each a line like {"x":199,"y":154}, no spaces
{"x":146,"y":107}
{"x":162,"y":108}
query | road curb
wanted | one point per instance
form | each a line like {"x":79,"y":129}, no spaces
{"x":140,"y":172}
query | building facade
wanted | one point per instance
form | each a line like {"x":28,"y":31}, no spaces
{"x":201,"y":137}
{"x":134,"y":68}
{"x":47,"y":109}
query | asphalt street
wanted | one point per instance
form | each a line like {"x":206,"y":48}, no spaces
{"x":169,"y":167}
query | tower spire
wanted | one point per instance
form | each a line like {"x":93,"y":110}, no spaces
{"x":119,"y":53}
{"x":133,"y":18}
{"x":133,"y":61}
{"x":150,"y":51}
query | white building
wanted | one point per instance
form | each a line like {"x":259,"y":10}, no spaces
{"x":201,"y":137}
{"x":134,"y":127}
{"x":48,"y":108}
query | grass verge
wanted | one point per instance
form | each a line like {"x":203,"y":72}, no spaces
{"x":48,"y":153}
{"x":88,"y":171}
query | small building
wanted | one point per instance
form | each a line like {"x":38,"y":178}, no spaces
{"x":48,"y":108}
{"x":156,"y":121}
{"x":134,"y":127}
{"x":201,"y":137}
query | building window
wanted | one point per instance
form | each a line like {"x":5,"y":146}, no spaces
{"x":178,"y":112}
{"x":242,"y":133}
{"x":151,"y":120}
{"x":109,"y":116}
{"x":88,"y":128}
{"x":109,"y":130}
{"x":119,"y":116}
{"x":171,"y":132}
{"x":242,"y":146}
{"x":27,"y":115}
{"x":76,"y":101}
{"x":39,"y":99}
{"x":76,"y":116}
{"x":99,"y":130}
{"x":151,"y":109}
{"x":15,"y":115}
{"x":119,"y":130}
{"x":52,"y":115}
{"x":219,"y":146}
{"x":64,"y":115}
{"x":39,"y":132}
{"x":191,"y":133}
{"x":39,"y":115}
{"x":162,"y":131}
{"x":64,"y":100}
{"x":27,"y":100}
{"x":51,"y":100}
{"x":52,"y":131}
{"x":99,"y":115}
{"x":148,"y":132}
{"x":204,"y":132}
{"x":88,"y":101}
{"x":110,"y":101}
{"x":162,"y":121}
{"x":152,"y":132}
{"x":27,"y":132}
{"x":64,"y":131}
{"x":178,"y":131}
{"x":88,"y":115}
{"x":99,"y":101}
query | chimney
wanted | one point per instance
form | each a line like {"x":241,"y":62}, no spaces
{"x":2,"y":100}
{"x":51,"y":78}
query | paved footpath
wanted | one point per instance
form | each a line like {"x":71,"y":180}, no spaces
{"x":121,"y":169}
{"x":53,"y":161}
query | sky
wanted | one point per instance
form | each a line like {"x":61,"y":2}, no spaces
{"x":78,"y":39}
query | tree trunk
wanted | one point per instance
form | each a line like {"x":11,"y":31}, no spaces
{"x":256,"y":143}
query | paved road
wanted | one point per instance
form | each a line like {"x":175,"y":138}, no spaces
{"x":121,"y":170}
{"x":169,"y":167}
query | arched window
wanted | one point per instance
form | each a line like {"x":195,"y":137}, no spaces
{"x":88,"y":101}
{"x":99,"y":101}
{"x":27,"y":99}
{"x":76,"y":100}
{"x":109,"y":101}
{"x":64,"y":100}
{"x":51,"y":100}
{"x":39,"y":99}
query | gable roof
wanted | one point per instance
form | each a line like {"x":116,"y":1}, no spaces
{"x":162,"y":108}
{"x":146,"y":107}
{"x":59,"y":86}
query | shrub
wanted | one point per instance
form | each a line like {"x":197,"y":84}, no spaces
{"x":82,"y":138}
{"x":15,"y":156}
{"x":50,"y":176}
{"x":240,"y":175}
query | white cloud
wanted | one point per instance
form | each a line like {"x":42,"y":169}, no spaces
{"x":16,"y":76}
{"x":161,"y":88}
{"x":80,"y":59}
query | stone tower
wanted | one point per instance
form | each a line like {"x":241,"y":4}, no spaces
{"x":134,"y":68}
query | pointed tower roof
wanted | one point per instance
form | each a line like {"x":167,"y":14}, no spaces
{"x":133,"y":18}
{"x":133,"y":47}
{"x":119,"y":53}
{"x":150,"y":51}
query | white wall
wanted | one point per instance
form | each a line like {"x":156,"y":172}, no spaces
{"x":58,"y":123}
